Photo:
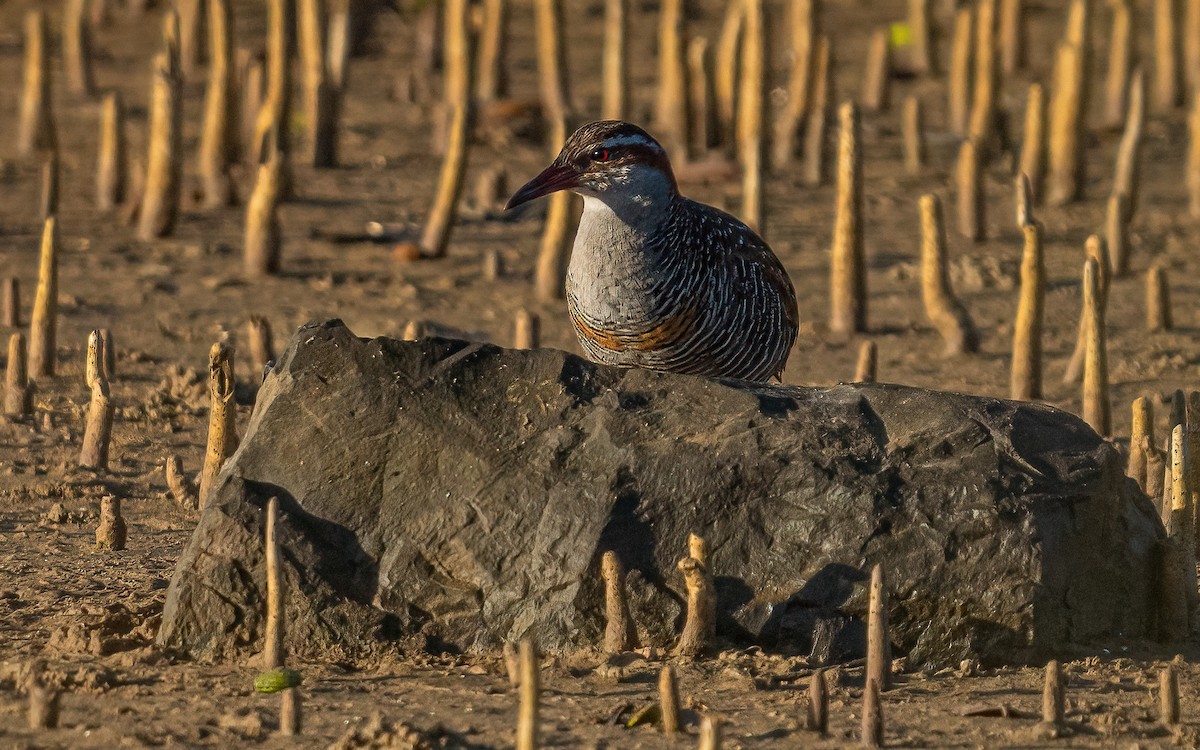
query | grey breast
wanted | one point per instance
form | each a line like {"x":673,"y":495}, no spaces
{"x":694,"y":296}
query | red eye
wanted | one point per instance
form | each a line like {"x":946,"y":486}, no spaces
{"x":600,"y":154}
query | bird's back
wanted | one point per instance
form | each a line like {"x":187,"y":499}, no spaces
{"x":700,"y":293}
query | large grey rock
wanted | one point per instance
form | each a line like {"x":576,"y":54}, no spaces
{"x":462,"y":495}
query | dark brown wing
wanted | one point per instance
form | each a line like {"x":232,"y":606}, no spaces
{"x":750,"y":287}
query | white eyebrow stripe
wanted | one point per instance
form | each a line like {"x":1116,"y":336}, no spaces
{"x":617,"y":141}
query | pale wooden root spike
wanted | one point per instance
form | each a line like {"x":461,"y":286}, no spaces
{"x":160,"y":201}
{"x":262,"y":242}
{"x":972,"y":202}
{"x":802,"y":19}
{"x":43,"y":711}
{"x":751,"y":113}
{"x":698,"y":549}
{"x":1125,"y":179}
{"x":1065,"y":146}
{"x":1095,"y":249}
{"x":1168,"y":696}
{"x":923,"y":57}
{"x":551,"y":60}
{"x":699,"y":78}
{"x":668,"y":700}
{"x":274,"y":649}
{"x":1033,"y":145}
{"x":178,"y":484}
{"x":1168,"y":91}
{"x":671,"y":104}
{"x":1096,"y":405}
{"x":112,"y":532}
{"x":1182,"y":527}
{"x":1140,"y":435}
{"x":1193,"y":157}
{"x":111,"y":166}
{"x":260,"y":345}
{"x":725,"y":85}
{"x":959,"y":84}
{"x":710,"y":734}
{"x":530,"y":687}
{"x":77,"y":48}
{"x":942,"y":308}
{"x":512,"y":664}
{"x":18,"y":393}
{"x":1177,"y":581}
{"x":43,"y":323}
{"x":914,"y":135}
{"x":1158,"y":300}
{"x":1026,"y":380}
{"x":275,"y":102}
{"x":872,"y":715}
{"x":97,"y":431}
{"x":866,"y":369}
{"x":435,"y":238}
{"x":982,"y":124}
{"x":48,"y":201}
{"x":1053,"y":695}
{"x":848,"y":298}
{"x":1023,"y":200}
{"x":701,"y":609}
{"x":814,"y":165}
{"x":319,"y":95}
{"x":291,"y":712}
{"x":219,"y":137}
{"x":876,"y":93}
{"x":620,"y":633}
{"x":222,"y":434}
{"x":1116,"y":88}
{"x":491,"y":73}
{"x":615,"y":66}
{"x":817,"y":715}
{"x":10,"y":303}
{"x":879,"y":659}
{"x":1116,"y":234}
{"x":35,"y":128}
{"x":1011,"y":34}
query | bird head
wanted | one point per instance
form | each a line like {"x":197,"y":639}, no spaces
{"x":601,"y":159}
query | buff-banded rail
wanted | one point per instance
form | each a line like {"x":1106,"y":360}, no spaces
{"x":657,"y":280}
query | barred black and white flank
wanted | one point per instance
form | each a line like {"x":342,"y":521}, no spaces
{"x":660,"y":281}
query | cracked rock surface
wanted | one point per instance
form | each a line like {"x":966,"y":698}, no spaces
{"x":459,"y":495}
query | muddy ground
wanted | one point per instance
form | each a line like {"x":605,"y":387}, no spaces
{"x":91,"y":616}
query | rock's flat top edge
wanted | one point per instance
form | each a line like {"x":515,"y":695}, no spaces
{"x":336,"y":328}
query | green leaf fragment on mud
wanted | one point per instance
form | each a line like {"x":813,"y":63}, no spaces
{"x":274,"y":680}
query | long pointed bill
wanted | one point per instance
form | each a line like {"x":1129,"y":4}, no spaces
{"x":552,"y":179}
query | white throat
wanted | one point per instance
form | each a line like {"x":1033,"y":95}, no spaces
{"x":635,"y":195}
